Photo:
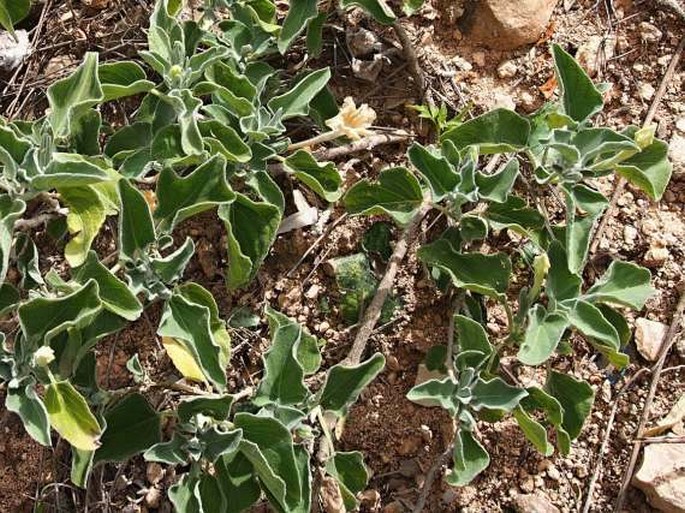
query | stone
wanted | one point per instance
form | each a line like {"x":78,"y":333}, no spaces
{"x":656,"y":256}
{"x":680,"y":125}
{"x":13,"y":50}
{"x":507,"y":24}
{"x":478,"y":59}
{"x":362,"y":42}
{"x":646,"y":91}
{"x":649,"y":33}
{"x":649,"y":336}
{"x":507,"y":69}
{"x":595,"y":51}
{"x":534,"y":503}
{"x":661,"y":476}
{"x":629,"y":234}
{"x":676,"y":152}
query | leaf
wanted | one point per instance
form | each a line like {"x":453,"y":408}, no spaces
{"x":496,"y":394}
{"x":182,"y":197}
{"x":133,"y":426}
{"x":561,"y":283}
{"x":12,"y":12}
{"x":114,"y":293}
{"x":251,"y":227}
{"x":70,"y":170}
{"x":580,"y":228}
{"x":22,"y":399}
{"x":315,"y":37}
{"x":268,"y":445}
{"x":86,"y":217}
{"x":172,"y":452}
{"x":283,"y":380}
{"x":378,"y":9}
{"x":498,"y":131}
{"x":441,"y":176}
{"x":70,"y":97}
{"x":498,"y":186}
{"x":9,"y":297}
{"x":121,"y":79}
{"x":81,"y":466}
{"x":534,"y":431}
{"x":517,"y":216}
{"x":238,"y":483}
{"x":349,"y":470}
{"x":580,"y":97}
{"x":649,"y":170}
{"x":300,"y":13}
{"x":470,"y":459}
{"x":590,"y":321}
{"x":190,"y":323}
{"x":10,"y":211}
{"x":184,"y":495}
{"x":208,"y":492}
{"x":170,"y":268}
{"x":307,"y":351}
{"x":377,"y":241}
{"x":324,"y":179}
{"x":543,"y":335}
{"x":217,"y":442}
{"x":539,"y":399}
{"x":674,"y":416}
{"x":296,"y":101}
{"x":42,"y":319}
{"x":225,"y":140}
{"x":436,"y":392}
{"x":397,"y":193}
{"x":216,"y":406}
{"x":136,"y":230}
{"x":624,"y":284}
{"x":576,"y":398}
{"x":485,"y":274}
{"x":344,"y":383}
{"x":471,"y":337}
{"x":70,"y":416}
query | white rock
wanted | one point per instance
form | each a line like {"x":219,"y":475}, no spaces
{"x":680,"y":125}
{"x":661,"y":476}
{"x":478,"y":59}
{"x":507,"y":69}
{"x":649,"y":335}
{"x":502,"y":100}
{"x":649,"y":33}
{"x":534,"y":503}
{"x":13,"y":51}
{"x":676,"y":152}
{"x":656,"y":256}
{"x":646,"y":91}
{"x":629,"y":233}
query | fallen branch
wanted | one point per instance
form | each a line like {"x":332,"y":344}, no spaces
{"x":367,"y":143}
{"x":667,"y":343}
{"x":373,"y":312}
{"x":430,"y":477}
{"x":410,"y":57}
{"x":621,"y":185}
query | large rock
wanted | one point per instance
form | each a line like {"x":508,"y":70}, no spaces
{"x":661,"y":476}
{"x":649,"y":336}
{"x":534,"y":503}
{"x":507,"y":24}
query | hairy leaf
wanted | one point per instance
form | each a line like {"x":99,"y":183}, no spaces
{"x":441,"y":176}
{"x":296,"y":101}
{"x":322,"y":178}
{"x":543,"y":335}
{"x":623,"y":284}
{"x":498,"y":131}
{"x":23,"y":400}
{"x":344,"y":383}
{"x":576,"y":398}
{"x":71,"y":417}
{"x":580,"y":97}
{"x":470,"y":459}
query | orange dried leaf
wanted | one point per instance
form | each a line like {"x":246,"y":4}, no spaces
{"x":548,"y":88}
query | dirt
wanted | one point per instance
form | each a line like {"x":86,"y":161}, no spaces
{"x":401,"y":441}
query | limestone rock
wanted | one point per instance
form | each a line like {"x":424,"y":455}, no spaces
{"x":507,"y":24}
{"x":534,"y":503}
{"x":649,"y":335}
{"x":661,"y":477}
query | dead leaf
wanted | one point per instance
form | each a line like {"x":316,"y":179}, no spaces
{"x":547,"y":35}
{"x":331,"y":497}
{"x":548,"y":88}
{"x":676,"y":414}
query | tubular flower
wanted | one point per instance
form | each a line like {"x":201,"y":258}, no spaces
{"x":352,"y":121}
{"x":43,"y":356}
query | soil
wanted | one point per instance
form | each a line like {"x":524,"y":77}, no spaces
{"x":401,"y":440}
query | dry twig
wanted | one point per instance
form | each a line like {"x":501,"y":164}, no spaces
{"x":667,"y":343}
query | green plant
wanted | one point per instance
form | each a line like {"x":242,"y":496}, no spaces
{"x":555,"y":151}
{"x":12,"y":12}
{"x":209,"y":133}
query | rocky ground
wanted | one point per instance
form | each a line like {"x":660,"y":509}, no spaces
{"x":487,"y":56}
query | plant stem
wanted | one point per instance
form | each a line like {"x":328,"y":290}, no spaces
{"x":325,"y":137}
{"x":373,"y":312}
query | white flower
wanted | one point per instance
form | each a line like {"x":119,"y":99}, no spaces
{"x":351,"y":121}
{"x":43,"y":356}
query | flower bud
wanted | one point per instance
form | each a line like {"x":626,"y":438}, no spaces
{"x":43,"y":357}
